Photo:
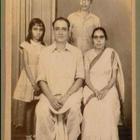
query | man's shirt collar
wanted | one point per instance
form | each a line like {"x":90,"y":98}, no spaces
{"x":54,"y":48}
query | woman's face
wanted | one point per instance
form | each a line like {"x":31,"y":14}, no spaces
{"x":85,"y":4}
{"x":99,"y":39}
{"x":37,"y":32}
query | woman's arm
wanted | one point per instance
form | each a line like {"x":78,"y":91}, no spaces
{"x":87,"y":75}
{"x":110,"y":84}
{"x":89,"y":84}
{"x":112,"y":80}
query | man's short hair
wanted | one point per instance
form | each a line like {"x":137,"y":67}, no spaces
{"x":61,"y":18}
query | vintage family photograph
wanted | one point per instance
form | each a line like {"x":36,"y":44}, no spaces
{"x":69,"y":70}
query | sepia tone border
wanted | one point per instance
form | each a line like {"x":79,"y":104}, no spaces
{"x":137,"y":67}
{"x":7,"y":68}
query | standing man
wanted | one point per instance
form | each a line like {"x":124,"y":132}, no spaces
{"x":83,"y":22}
{"x":61,"y":74}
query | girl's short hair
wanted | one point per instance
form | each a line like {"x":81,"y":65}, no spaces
{"x":39,"y":22}
{"x":102,"y":29}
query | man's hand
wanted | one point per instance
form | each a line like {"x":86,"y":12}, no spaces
{"x":55,"y":102}
{"x":63,"y":99}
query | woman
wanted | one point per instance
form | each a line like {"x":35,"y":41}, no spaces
{"x":82,"y":24}
{"x":101,"y":97}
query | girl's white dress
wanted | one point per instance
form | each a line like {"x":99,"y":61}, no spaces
{"x":101,"y":117}
{"x":24,"y":90}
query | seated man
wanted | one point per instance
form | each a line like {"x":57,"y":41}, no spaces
{"x":60,"y":76}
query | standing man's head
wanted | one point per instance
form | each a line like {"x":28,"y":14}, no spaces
{"x":61,"y":29}
{"x":85,"y":4}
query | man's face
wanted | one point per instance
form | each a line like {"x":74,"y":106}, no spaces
{"x":61,"y":31}
{"x":85,"y":4}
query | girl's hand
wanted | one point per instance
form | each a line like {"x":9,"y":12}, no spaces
{"x":36,"y":87}
{"x":37,"y":90}
{"x":37,"y":93}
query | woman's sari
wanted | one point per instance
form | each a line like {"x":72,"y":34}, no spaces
{"x":101,"y":117}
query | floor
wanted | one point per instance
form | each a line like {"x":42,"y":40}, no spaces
{"x":124,"y":134}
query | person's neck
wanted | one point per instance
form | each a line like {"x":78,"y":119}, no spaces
{"x":84,"y":12}
{"x":60,"y":45}
{"x":99,"y":50}
{"x":36,"y":41}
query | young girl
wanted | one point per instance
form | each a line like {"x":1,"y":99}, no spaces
{"x":27,"y":89}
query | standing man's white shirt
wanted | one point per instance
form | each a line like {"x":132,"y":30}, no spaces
{"x":83,"y":22}
{"x":82,"y":28}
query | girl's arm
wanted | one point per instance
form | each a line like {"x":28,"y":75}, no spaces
{"x":28,"y":70}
